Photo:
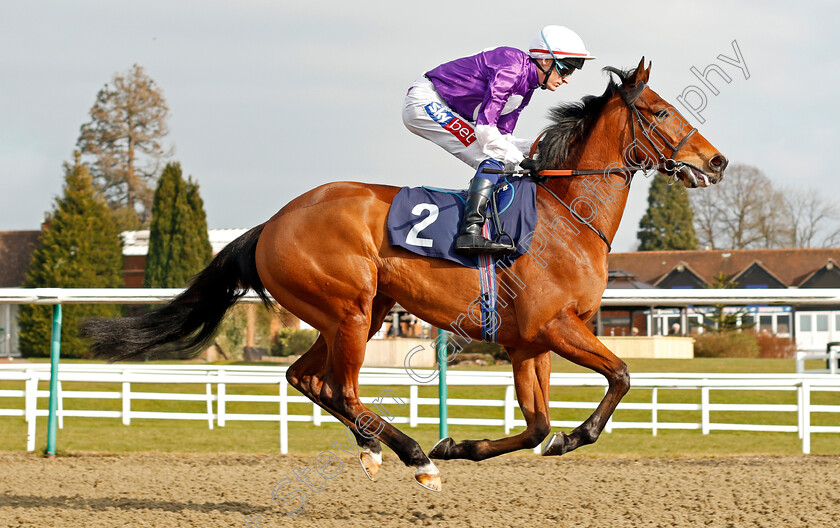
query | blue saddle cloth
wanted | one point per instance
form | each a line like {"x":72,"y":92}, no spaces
{"x":425,"y":220}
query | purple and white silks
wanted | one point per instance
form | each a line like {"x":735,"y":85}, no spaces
{"x":489,"y":88}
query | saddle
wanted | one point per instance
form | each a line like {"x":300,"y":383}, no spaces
{"x":425,"y":220}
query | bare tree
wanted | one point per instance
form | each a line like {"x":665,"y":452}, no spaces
{"x":745,"y":211}
{"x":706,"y":225}
{"x":811,"y":218}
{"x":124,"y":138}
{"x":742,"y":212}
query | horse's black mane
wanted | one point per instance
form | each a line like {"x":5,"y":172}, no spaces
{"x":572,"y":120}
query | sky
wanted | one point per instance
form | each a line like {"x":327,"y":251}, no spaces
{"x":269,"y":99}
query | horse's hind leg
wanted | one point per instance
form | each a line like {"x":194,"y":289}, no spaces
{"x":371,"y":453}
{"x":307,"y":374}
{"x":570,"y":338}
{"x":340,"y":391}
{"x":531,"y":372}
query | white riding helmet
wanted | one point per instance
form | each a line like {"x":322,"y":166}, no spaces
{"x":558,"y":42}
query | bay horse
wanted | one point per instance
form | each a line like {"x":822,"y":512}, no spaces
{"x":326,"y":258}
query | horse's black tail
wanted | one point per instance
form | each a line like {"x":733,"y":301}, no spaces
{"x":186,"y":325}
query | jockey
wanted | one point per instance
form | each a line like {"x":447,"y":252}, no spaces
{"x":469,"y":107}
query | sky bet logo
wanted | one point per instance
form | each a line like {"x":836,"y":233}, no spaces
{"x":458,"y":127}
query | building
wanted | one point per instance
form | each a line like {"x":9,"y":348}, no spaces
{"x":811,"y":326}
{"x":16,"y":248}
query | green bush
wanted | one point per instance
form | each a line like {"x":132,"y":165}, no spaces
{"x":726,"y":345}
{"x":291,"y":341}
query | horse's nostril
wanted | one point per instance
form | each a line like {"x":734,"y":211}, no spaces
{"x":718,"y":162}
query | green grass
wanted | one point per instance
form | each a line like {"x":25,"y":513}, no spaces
{"x":173,"y":436}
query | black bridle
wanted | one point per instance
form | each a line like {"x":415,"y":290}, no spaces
{"x":667,"y":165}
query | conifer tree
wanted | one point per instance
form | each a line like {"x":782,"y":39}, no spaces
{"x":179,"y":246}
{"x":668,"y":223}
{"x":80,"y":247}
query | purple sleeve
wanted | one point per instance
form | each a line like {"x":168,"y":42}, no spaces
{"x":499,"y":89}
{"x":507,"y":122}
{"x":506,"y":72}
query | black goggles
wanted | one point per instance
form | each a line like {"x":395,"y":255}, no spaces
{"x":567,"y":66}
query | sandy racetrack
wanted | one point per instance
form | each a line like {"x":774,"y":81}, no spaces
{"x":209,"y":491}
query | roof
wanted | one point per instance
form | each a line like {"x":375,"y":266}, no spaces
{"x":16,"y":248}
{"x":623,"y":280}
{"x":790,"y":266}
{"x":136,"y":243}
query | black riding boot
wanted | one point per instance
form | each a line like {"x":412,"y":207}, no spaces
{"x":470,"y":240}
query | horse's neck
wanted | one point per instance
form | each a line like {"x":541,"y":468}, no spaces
{"x":607,"y":193}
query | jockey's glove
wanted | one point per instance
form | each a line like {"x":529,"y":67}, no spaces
{"x":529,"y":164}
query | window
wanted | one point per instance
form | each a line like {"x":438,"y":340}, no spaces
{"x":805,"y":322}
{"x":748,"y":322}
{"x":765,"y":323}
{"x":822,"y":322}
{"x":694,"y":326}
{"x":783,"y":324}
{"x":674,"y":325}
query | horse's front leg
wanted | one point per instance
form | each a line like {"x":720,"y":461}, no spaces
{"x":570,"y":338}
{"x":531,"y":372}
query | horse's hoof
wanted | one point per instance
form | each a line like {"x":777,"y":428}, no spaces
{"x":556,"y":446}
{"x":428,"y":476}
{"x":441,"y":449}
{"x":371,"y":462}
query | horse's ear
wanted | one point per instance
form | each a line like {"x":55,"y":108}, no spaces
{"x":646,"y":76}
{"x":639,"y":73}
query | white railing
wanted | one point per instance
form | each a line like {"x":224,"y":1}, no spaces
{"x":831,"y":359}
{"x":221,"y":378}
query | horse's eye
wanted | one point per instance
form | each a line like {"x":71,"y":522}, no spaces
{"x":662,"y":114}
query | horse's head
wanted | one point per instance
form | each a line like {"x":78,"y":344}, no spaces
{"x":662,"y":137}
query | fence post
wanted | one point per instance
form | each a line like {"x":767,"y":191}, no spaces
{"x":60,"y":411}
{"x":30,"y":409}
{"x":316,"y":414}
{"x":654,"y":415}
{"x":412,"y":406}
{"x":806,"y":418}
{"x":221,"y":389}
{"x":800,"y":411}
{"x":209,"y":392}
{"x":509,"y":408}
{"x":55,"y":353}
{"x":284,"y":416}
{"x":126,"y":401}
{"x":704,"y":409}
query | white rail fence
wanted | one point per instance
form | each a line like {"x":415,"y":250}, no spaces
{"x":219,"y":381}
{"x":831,"y":357}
